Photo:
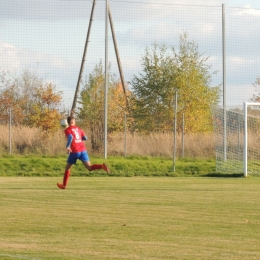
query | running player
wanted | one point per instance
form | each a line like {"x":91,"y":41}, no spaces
{"x":77,"y":150}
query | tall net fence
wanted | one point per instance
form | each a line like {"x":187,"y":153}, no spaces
{"x":229,"y":134}
{"x":48,"y":37}
{"x":230,"y":130}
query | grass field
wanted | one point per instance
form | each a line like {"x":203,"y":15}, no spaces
{"x":130,"y":218}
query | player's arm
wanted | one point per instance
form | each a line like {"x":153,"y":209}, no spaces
{"x":83,"y":136}
{"x":70,"y":138}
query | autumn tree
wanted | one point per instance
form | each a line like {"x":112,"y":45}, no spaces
{"x":10,"y":98}
{"x":45,"y":114}
{"x":166,"y":71}
{"x":117,"y":108}
{"x":92,"y":107}
{"x":34,"y":103}
{"x":192,"y":80}
{"x":91,"y":110}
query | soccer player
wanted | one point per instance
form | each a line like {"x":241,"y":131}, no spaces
{"x":77,"y":150}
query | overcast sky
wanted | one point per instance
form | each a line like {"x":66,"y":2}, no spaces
{"x":48,"y":36}
{"x":230,"y":3}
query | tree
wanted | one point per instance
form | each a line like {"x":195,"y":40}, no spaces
{"x":192,"y":80}
{"x":153,"y":91}
{"x":91,"y":110}
{"x":92,"y":107}
{"x":117,"y":108}
{"x":166,"y":71}
{"x":34,"y":103}
{"x":256,"y":97}
{"x":45,"y":114}
{"x":10,"y":98}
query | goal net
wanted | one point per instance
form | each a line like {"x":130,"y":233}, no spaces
{"x":237,"y":133}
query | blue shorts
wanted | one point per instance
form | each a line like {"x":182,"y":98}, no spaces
{"x":73,"y":157}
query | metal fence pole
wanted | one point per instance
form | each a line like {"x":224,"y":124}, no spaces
{"x":106,"y":81}
{"x":175,"y":127}
{"x":245,"y":139}
{"x":183,"y":133}
{"x":224,"y":82}
{"x":125,"y":135}
{"x":10,"y":131}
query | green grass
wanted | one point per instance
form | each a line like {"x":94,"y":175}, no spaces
{"x":120,"y":166}
{"x":130,"y":218}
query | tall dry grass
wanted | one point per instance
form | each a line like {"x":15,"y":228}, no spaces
{"x":162,"y":144}
{"x":27,"y":141}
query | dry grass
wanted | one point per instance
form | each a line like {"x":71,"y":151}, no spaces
{"x":27,"y":140}
{"x":161,"y":144}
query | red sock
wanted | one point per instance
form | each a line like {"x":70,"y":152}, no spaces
{"x":66,"y":177}
{"x":96,"y":167}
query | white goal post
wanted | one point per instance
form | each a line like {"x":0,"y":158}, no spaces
{"x":237,"y":135}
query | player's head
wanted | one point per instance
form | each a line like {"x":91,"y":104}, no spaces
{"x":71,"y":120}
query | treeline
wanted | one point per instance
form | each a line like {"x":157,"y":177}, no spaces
{"x":150,"y":96}
{"x":33,"y":102}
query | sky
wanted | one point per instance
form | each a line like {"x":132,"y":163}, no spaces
{"x":231,"y":3}
{"x":48,"y":37}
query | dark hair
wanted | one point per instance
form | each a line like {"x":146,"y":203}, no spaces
{"x":69,"y":118}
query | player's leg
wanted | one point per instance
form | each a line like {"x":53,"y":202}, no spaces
{"x":105,"y":168}
{"x":71,"y":160}
{"x":65,"y":176}
{"x":93,"y":167}
{"x":85,"y":160}
{"x":67,"y":173}
{"x":88,"y":165}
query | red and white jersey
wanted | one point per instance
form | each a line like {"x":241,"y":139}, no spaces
{"x":77,"y":145}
